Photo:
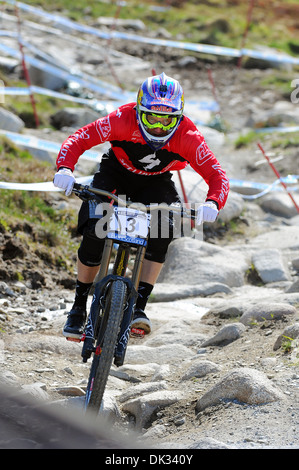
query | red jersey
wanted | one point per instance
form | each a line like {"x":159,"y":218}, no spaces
{"x":120,"y":128}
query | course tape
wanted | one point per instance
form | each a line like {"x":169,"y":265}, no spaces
{"x":277,"y":129}
{"x":262,"y":187}
{"x":48,"y":186}
{"x":203,"y":48}
{"x":107,"y":106}
{"x":34,"y":142}
{"x":65,"y":75}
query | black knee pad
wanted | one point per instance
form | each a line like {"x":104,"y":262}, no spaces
{"x":161,"y":235}
{"x":156,"y":251}
{"x":91,"y":247}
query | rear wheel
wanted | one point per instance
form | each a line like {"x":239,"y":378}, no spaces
{"x":105,"y":346}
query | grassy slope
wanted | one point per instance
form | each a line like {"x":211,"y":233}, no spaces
{"x":29,"y":218}
{"x":222,"y":22}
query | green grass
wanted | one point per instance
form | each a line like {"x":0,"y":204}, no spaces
{"x":281,"y":140}
{"x":246,"y":139}
{"x":286,"y":140}
{"x":279,"y":81}
{"x":30,"y":215}
{"x":221,"y":22}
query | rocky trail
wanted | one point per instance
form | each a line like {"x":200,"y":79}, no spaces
{"x":221,"y":367}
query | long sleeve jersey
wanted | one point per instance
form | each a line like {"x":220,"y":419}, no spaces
{"x":120,"y":128}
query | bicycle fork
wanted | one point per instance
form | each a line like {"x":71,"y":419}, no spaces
{"x":94,"y":317}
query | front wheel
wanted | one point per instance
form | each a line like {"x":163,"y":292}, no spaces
{"x":105,"y":345}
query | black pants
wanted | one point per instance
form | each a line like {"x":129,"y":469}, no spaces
{"x":112,"y":176}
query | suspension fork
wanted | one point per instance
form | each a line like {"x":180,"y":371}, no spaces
{"x":121,"y":261}
{"x":124,"y":333}
{"x":139,"y":258}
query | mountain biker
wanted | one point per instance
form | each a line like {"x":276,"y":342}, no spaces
{"x":148,"y":139}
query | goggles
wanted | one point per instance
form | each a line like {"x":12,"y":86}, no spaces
{"x":164,"y":121}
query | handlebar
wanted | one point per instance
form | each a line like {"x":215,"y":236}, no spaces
{"x":86,"y":193}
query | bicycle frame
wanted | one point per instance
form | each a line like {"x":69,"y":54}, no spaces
{"x":104,"y":279}
{"x":108,"y":327}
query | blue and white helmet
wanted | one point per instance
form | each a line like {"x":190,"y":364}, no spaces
{"x":159,"y":96}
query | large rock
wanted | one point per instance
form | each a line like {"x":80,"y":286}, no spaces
{"x":191,"y":261}
{"x":227,"y":334}
{"x":200,"y":369}
{"x":245,"y":385}
{"x":280,"y":204}
{"x":144,"y":406}
{"x":267,"y":311}
{"x":290,"y":333}
{"x":269,"y":265}
{"x":169,"y":292}
{"x":73,"y":117}
{"x":10,"y":122}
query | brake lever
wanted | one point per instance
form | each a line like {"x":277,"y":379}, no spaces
{"x":84,"y":194}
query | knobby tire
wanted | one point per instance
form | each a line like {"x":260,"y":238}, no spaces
{"x":101,"y":364}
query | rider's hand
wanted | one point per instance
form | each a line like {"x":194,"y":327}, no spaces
{"x":64,"y":179}
{"x":207,"y":212}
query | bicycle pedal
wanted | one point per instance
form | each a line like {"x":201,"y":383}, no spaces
{"x":75,"y":340}
{"x":137,"y":333}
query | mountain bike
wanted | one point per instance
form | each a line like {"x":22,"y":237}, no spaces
{"x":107,"y":330}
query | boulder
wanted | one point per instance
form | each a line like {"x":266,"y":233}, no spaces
{"x":267,"y":311}
{"x":269,"y":265}
{"x":10,"y":122}
{"x":227,"y":334}
{"x":144,"y":406}
{"x":245,"y":385}
{"x":191,"y":261}
{"x":169,"y":292}
{"x":290,"y":332}
{"x":73,"y":117}
{"x":200,"y":369}
{"x":279,"y":204}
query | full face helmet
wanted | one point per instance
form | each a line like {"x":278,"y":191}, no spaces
{"x":160,"y":104}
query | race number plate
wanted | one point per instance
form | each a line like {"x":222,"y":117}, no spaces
{"x":129,"y":225}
